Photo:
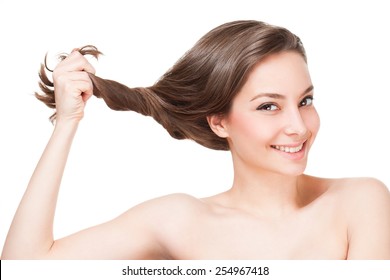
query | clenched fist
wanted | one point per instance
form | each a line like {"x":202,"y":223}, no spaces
{"x":72,"y":86}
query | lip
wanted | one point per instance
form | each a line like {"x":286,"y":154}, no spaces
{"x":293,"y":156}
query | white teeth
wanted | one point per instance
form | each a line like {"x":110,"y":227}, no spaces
{"x":288,"y":149}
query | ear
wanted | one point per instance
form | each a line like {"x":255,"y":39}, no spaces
{"x":218,"y":124}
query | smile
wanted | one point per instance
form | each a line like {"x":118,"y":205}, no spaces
{"x":286,"y":149}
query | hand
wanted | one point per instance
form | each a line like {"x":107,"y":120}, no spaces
{"x":72,"y":87}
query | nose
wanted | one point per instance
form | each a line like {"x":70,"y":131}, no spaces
{"x":295,"y":124}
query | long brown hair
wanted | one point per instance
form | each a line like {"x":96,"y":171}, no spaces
{"x":202,"y":83}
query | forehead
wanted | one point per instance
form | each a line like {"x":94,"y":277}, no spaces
{"x":283,"y":73}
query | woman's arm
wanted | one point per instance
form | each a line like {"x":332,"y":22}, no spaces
{"x":31,"y":232}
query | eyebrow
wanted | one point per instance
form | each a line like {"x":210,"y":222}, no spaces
{"x":280,"y":96}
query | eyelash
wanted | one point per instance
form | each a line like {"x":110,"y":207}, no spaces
{"x":307,"y":101}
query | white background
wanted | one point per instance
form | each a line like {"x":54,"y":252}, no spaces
{"x":119,"y":159}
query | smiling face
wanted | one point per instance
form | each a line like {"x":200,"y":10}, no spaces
{"x":272,"y":122}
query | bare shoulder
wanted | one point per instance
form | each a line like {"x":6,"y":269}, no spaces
{"x":366,"y":206}
{"x":172,"y":217}
{"x":371,"y":191}
{"x":174,"y":202}
{"x":357,"y":195}
{"x":350,"y":189}
{"x":173,"y":210}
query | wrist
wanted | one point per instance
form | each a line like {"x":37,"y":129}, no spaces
{"x":66,"y":125}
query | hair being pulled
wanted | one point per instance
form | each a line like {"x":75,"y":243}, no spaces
{"x":202,"y":83}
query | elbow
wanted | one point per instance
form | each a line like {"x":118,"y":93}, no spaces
{"x":24,"y":253}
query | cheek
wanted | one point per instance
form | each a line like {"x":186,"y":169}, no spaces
{"x":239,"y":126}
{"x":248,"y":128}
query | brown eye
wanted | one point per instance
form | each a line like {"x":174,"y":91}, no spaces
{"x":268,"y":107}
{"x":307,"y":101}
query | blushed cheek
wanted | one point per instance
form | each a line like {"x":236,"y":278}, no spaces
{"x":240,"y":125}
{"x":241,"y":128}
{"x":246,"y":129}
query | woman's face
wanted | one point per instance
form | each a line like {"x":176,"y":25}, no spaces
{"x":273,"y":123}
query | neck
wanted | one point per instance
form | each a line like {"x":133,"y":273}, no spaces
{"x":265,"y":192}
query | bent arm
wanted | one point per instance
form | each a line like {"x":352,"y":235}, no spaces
{"x":31,"y":231}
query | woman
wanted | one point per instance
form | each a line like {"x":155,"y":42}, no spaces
{"x":244,"y":87}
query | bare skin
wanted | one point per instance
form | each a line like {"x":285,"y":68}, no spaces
{"x":272,"y":210}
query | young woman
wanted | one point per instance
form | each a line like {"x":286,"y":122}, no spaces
{"x":244,"y":87}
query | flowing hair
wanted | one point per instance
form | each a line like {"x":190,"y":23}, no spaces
{"x":202,"y":83}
